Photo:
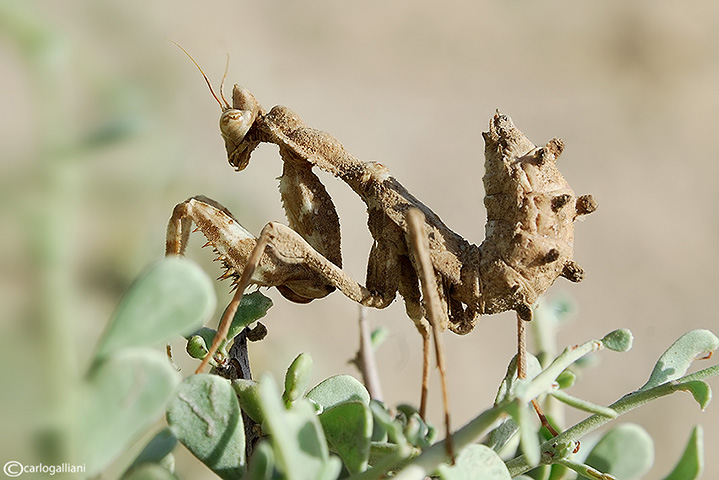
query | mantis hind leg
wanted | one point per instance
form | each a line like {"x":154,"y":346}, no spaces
{"x":435,"y":314}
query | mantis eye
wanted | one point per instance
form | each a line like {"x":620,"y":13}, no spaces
{"x":234,"y":125}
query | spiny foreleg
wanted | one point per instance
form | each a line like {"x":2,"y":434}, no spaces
{"x":288,"y":261}
{"x":280,"y":257}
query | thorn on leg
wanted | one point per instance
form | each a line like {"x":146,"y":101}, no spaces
{"x":226,"y":321}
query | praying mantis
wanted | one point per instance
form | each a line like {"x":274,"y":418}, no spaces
{"x":446,"y":282}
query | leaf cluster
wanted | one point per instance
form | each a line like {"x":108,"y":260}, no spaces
{"x":245,"y":429}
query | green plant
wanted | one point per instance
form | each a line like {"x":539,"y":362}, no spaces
{"x":128,"y":383}
{"x":335,"y":430}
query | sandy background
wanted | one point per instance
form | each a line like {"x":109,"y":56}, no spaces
{"x":106,"y":126}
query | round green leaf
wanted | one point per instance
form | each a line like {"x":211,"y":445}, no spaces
{"x":299,"y":445}
{"x":172,"y":297}
{"x":246,"y":391}
{"x":297,"y":378}
{"x":197,"y":347}
{"x":475,"y":461}
{"x":676,"y":360}
{"x":205,"y":416}
{"x":566,"y":379}
{"x":253,"y":306}
{"x":348,"y":428}
{"x":121,"y":397}
{"x":338,"y":389}
{"x":627,"y":452}
{"x":619,"y":340}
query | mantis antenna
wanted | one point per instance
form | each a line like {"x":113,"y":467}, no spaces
{"x":222,"y":82}
{"x":226,"y":105}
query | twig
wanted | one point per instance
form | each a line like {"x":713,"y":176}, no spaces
{"x":366,"y":360}
{"x":239,"y":367}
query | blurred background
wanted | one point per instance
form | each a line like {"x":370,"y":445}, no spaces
{"x":106,"y":125}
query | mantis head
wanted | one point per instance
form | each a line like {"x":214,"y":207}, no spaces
{"x":235,"y":120}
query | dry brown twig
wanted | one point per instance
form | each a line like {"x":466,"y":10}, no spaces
{"x":365,"y":360}
{"x":531,"y":211}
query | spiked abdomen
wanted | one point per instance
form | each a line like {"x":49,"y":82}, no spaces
{"x":531,"y":210}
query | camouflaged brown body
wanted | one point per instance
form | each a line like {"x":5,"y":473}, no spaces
{"x":529,"y":233}
{"x":531,"y":209}
{"x":391,"y":265}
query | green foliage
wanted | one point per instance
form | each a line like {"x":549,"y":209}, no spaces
{"x":205,"y":416}
{"x":566,"y":379}
{"x":297,"y":379}
{"x":691,"y":465}
{"x":619,"y":340}
{"x":334,"y":430}
{"x":337,"y":390}
{"x":253,"y":306}
{"x":348,"y":428}
{"x":128,"y":384}
{"x":678,"y":358}
{"x":627,"y":452}
{"x":473,"y":459}
{"x":670,"y":366}
{"x":298,"y":442}
{"x":158,"y":450}
{"x":249,"y":397}
{"x":120,"y":398}
{"x":173,"y":296}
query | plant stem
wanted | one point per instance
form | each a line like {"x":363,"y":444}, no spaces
{"x":366,"y":359}
{"x":629,"y":402}
{"x":240,"y":361}
{"x":430,"y":459}
{"x":543,"y":382}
